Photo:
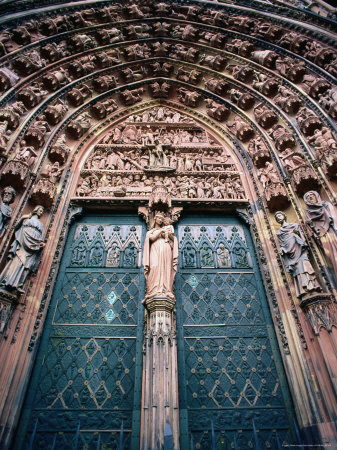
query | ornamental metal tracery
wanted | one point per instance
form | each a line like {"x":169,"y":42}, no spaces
{"x":231,"y":371}
{"x":87,"y":370}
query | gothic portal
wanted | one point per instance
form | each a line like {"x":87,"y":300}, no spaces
{"x":168,"y":225}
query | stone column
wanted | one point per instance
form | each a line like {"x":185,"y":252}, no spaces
{"x":160,"y":408}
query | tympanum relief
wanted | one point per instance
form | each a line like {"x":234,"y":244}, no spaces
{"x":160,"y":145}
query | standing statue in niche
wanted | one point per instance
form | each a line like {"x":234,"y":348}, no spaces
{"x":25,"y":252}
{"x":294,"y":250}
{"x":7,"y":197}
{"x":160,"y":259}
{"x":322,"y":219}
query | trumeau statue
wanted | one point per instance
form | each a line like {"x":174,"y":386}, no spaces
{"x":160,"y":259}
{"x":322,"y":219}
{"x":294,"y":250}
{"x":25,"y":252}
{"x":7,"y":197}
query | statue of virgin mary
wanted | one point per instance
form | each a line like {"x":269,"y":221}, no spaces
{"x":160,"y":258}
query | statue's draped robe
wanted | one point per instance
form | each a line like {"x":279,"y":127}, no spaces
{"x":295,"y":256}
{"x":26,"y":253}
{"x":160,"y":258}
{"x":322,"y":217}
{"x":5,"y":215}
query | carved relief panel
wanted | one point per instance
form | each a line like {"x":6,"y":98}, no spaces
{"x":163,"y":145}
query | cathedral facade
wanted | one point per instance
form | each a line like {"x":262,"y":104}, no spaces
{"x":168,"y":224}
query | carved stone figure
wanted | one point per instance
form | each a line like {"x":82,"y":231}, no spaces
{"x":242,"y":48}
{"x":215,"y":62}
{"x":131,"y":97}
{"x":266,"y":85}
{"x":79,"y":126}
{"x":274,"y":191}
{"x":29,"y":63}
{"x":291,"y":68}
{"x":32,"y":95}
{"x":12,"y":114}
{"x":16,"y":170}
{"x":242,"y":99}
{"x":303,"y":177}
{"x":242,"y":73}
{"x":223,"y":256}
{"x":82,"y":42}
{"x":258,"y":151}
{"x":55,"y":113}
{"x":314,"y":86}
{"x":282,"y":137}
{"x":25,"y":252}
{"x":286,"y":100}
{"x":189,"y":54}
{"x":241,"y":129}
{"x":266,"y":58}
{"x":265,"y":116}
{"x":113,"y":256}
{"x":161,"y":69}
{"x":54,"y":52}
{"x":36,"y":133}
{"x":321,"y":217}
{"x":217,"y":86}
{"x":160,"y":90}
{"x":4,"y":136}
{"x":104,"y":83}
{"x":162,"y":29}
{"x":44,"y":190}
{"x":137,"y":51}
{"x":189,"y":98}
{"x":108,"y":59}
{"x":329,"y":101}
{"x":308,"y":121}
{"x":109,"y":36}
{"x":55,"y":80}
{"x":192,"y":77}
{"x":216,"y":110}
{"x":160,"y":259}
{"x":60,"y":150}
{"x":326,"y":148}
{"x":294,"y":251}
{"x":81,"y":67}
{"x":78,"y":95}
{"x":212,"y":39}
{"x":101,"y":109}
{"x":7,"y":197}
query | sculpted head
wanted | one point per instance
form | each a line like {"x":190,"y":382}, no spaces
{"x":280,"y":217}
{"x":159,"y":218}
{"x":8,"y":195}
{"x":38,"y":210}
{"x":312,"y":197}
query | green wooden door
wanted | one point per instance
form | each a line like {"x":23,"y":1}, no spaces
{"x":86,"y":385}
{"x":230,"y":372}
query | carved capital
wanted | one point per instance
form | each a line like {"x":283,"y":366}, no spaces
{"x":321,"y":312}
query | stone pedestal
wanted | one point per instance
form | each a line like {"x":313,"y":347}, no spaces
{"x":160,"y":412}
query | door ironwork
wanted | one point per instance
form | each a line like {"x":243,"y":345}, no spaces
{"x":230,"y":373}
{"x":86,"y":385}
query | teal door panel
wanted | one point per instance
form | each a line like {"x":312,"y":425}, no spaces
{"x":230,"y":371}
{"x":86,"y":384}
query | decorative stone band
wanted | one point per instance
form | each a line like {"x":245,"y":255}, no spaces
{"x":160,"y":304}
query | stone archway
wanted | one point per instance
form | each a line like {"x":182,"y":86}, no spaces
{"x":260,"y":81}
